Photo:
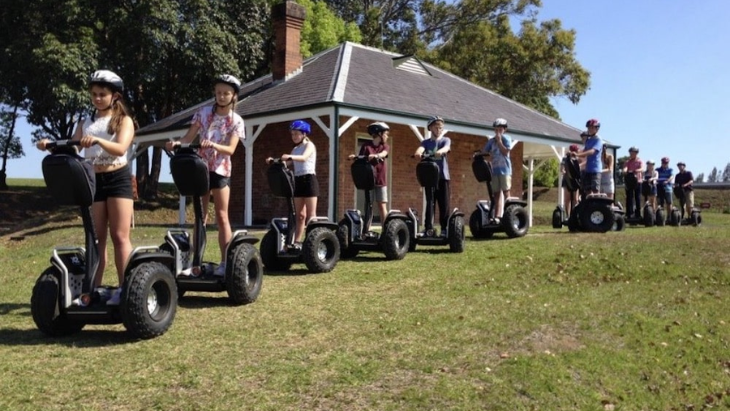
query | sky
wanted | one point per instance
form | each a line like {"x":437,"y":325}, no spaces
{"x":659,"y":79}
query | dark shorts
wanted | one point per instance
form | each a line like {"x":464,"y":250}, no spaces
{"x":592,"y":182}
{"x":114,"y":184}
{"x":306,"y":186}
{"x":217,"y":181}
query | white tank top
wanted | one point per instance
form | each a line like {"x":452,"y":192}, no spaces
{"x":97,"y":156}
{"x":302,"y":168}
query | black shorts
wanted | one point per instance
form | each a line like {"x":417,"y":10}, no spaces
{"x":217,"y":181}
{"x":114,"y":184}
{"x":306,"y":186}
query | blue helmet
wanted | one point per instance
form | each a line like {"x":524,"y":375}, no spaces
{"x":301,"y":125}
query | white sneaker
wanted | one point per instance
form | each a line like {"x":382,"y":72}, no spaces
{"x":116,"y":297}
{"x":220,"y":271}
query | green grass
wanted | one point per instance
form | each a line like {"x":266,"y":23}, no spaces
{"x":554,"y":321}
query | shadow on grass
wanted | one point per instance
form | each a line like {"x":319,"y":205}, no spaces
{"x":210,"y":300}
{"x":289,"y":273}
{"x":8,"y":308}
{"x":84,"y":339}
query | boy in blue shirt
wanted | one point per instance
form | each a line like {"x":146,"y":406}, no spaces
{"x":438,"y":145}
{"x":665,"y":183}
{"x":592,"y":153}
{"x":498,"y":154}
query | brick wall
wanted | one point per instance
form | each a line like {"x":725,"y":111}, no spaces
{"x":405,"y":191}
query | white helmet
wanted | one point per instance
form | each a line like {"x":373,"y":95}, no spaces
{"x":107,"y":77}
{"x":230,"y":80}
{"x":500,"y":122}
{"x":377,"y":128}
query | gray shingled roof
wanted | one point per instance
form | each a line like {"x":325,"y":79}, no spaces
{"x":373,"y":81}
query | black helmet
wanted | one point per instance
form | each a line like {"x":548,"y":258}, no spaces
{"x":432,"y":120}
{"x":500,"y":122}
{"x":108,"y":78}
{"x":377,"y":128}
{"x":230,"y":80}
{"x":634,"y":149}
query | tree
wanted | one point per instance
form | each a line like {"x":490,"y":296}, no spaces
{"x":10,"y":145}
{"x":700,"y":178}
{"x":322,"y":29}
{"x":546,"y":175}
{"x":725,"y":174}
{"x":713,"y":177}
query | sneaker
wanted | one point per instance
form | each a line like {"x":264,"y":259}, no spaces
{"x":116,"y":297}
{"x":444,"y":233}
{"x":186,"y":272}
{"x":220,"y":271}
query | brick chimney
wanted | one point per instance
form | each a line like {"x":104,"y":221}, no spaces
{"x":288,"y":19}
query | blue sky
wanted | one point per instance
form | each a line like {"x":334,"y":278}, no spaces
{"x":659,"y":79}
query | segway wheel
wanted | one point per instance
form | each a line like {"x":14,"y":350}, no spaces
{"x":674,"y":218}
{"x":557,"y":218}
{"x":696,"y":218}
{"x":456,"y":234}
{"x":515,"y":221}
{"x":596,"y":217}
{"x":574,"y":220}
{"x":396,"y":240}
{"x":648,"y":216}
{"x":343,"y":236}
{"x":270,"y":253}
{"x":44,"y":306}
{"x":660,"y":218}
{"x":475,"y":225}
{"x":149,"y":300}
{"x":245,"y":274}
{"x":321,"y":250}
{"x":620,"y":223}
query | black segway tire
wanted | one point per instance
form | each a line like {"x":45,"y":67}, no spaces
{"x":675,"y":218}
{"x":149,"y":300}
{"x":660,"y":218}
{"x":343,"y":236}
{"x":620,"y":223}
{"x":557,"y":218}
{"x":270,"y":254}
{"x":696,"y":218}
{"x":321,"y":250}
{"x":515,"y":221}
{"x":245,"y":274}
{"x":44,"y":306}
{"x":396,"y":240}
{"x":456,"y":234}
{"x":648,"y":216}
{"x":596,"y":217}
{"x":475,"y":226}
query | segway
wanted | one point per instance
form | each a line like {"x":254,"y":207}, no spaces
{"x":64,"y":298}
{"x":661,"y":219}
{"x":595,"y":213}
{"x":695,"y":216}
{"x":515,"y":220}
{"x":320,"y":250}
{"x":646,"y":217}
{"x":243,"y":276}
{"x":354,"y":230}
{"x":427,"y":173}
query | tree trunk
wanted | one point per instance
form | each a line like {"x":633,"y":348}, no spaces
{"x":154,"y":178}
{"x":9,"y":139}
{"x":142,"y":171}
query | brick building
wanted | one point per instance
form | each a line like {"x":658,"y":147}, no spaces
{"x":342,"y":90}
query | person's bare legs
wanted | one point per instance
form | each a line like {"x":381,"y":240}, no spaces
{"x":221,"y":197}
{"x":99,"y":213}
{"x":120,"y":223}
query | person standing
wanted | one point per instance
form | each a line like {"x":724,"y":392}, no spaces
{"x":306,"y":187}
{"x":607,"y":184}
{"x":497,"y":152}
{"x":220,"y":130}
{"x":592,"y":153}
{"x":633,"y":171}
{"x":665,"y":183}
{"x":106,"y":137}
{"x":437,"y":145}
{"x":683,"y":181}
{"x":376,"y":152}
{"x":571,"y":195}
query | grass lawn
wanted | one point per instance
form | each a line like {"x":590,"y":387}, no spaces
{"x":635,"y":320}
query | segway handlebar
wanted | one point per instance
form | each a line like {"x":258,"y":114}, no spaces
{"x":364,"y":157}
{"x":65,"y":143}
{"x":426,"y":156}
